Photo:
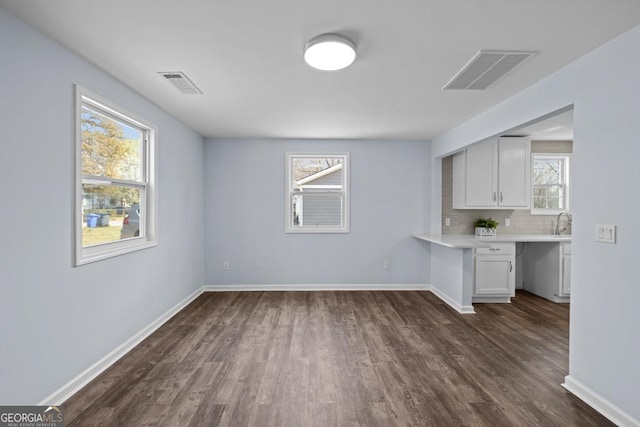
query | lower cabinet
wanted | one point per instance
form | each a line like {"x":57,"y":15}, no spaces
{"x":494,"y":273}
{"x":547,"y":270}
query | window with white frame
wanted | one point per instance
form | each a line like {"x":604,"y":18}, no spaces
{"x":114,"y":180}
{"x":550,"y":182}
{"x":318,"y":197}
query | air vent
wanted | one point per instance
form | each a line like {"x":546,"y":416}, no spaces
{"x":486,"y":68}
{"x":182,"y":82}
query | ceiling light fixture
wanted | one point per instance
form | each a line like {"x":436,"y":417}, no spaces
{"x":329,"y":52}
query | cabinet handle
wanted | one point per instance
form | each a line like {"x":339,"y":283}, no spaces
{"x":510,"y":266}
{"x":494,"y":196}
{"x":494,"y":249}
{"x":501,"y":197}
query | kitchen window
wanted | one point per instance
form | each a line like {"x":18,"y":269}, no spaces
{"x":550,"y":182}
{"x":317,"y":193}
{"x":115,"y":194}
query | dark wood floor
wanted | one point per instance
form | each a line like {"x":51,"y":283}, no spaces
{"x":342,"y":359}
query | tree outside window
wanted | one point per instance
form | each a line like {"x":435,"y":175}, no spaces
{"x":115,"y":165}
{"x":550,"y":179}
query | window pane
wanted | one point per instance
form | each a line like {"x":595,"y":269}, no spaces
{"x":317,"y":209}
{"x":547,"y":171}
{"x":548,"y":197}
{"x":318,"y":193}
{"x":320,"y":173}
{"x":540,"y":202}
{"x":540,"y":192}
{"x":109,"y":213}
{"x":553,"y":203}
{"x":550,"y":185}
{"x":110,"y":148}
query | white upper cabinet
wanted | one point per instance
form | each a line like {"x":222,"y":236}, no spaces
{"x":514,"y":179}
{"x":482,"y":174}
{"x":493,"y":174}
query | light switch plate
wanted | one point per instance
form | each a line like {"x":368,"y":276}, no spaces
{"x":605,"y":233}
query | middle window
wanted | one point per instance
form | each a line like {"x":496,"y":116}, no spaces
{"x":318,"y":197}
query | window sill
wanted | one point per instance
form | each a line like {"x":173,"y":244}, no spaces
{"x":318,"y":231}
{"x":110,"y":250}
{"x":549,"y":212}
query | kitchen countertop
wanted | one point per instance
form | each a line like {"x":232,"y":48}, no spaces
{"x":466,"y":241}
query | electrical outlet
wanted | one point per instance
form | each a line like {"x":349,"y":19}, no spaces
{"x":507,"y":222}
{"x":447,"y":222}
{"x":226,"y":265}
{"x":387,"y":265}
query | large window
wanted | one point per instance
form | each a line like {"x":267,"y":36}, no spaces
{"x":550,"y":181}
{"x":114,"y":180}
{"x":318,"y":199}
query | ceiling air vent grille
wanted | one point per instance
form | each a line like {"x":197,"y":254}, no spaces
{"x":486,"y":68}
{"x":182,"y":82}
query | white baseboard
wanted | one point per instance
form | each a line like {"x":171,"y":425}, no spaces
{"x":364,"y":287}
{"x":314,"y":287}
{"x":491,"y":300}
{"x":70,"y":388}
{"x":462,"y":309}
{"x":599,"y":403}
{"x":561,"y":300}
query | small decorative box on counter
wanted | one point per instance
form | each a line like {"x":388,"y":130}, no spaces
{"x":485,"y":232}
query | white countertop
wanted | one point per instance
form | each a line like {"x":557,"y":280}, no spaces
{"x":464,"y":241}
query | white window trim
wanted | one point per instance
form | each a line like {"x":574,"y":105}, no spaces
{"x":345,"y":194}
{"x":111,"y":249}
{"x":567,"y":184}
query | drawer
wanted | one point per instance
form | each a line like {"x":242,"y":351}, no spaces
{"x":566,"y":248}
{"x":497,"y":249}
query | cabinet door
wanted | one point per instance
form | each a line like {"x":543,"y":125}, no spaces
{"x":482,"y":172}
{"x":514,"y":179}
{"x":565,"y":286}
{"x":494,"y":275}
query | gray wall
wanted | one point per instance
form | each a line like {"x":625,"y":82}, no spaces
{"x":604,"y":335}
{"x":57,"y":320}
{"x":245,"y":193}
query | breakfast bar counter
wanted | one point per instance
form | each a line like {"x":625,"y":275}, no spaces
{"x":453,"y":265}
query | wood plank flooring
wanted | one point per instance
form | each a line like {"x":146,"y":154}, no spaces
{"x":342,"y":359}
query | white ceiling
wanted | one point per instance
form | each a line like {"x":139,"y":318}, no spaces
{"x":555,"y":128}
{"x":246,"y":56}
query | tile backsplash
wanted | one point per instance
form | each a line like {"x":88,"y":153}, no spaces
{"x":522,"y":222}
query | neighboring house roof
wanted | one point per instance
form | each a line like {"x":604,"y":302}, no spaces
{"x":318,"y":175}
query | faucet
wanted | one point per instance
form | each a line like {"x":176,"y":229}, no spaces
{"x":558,"y":231}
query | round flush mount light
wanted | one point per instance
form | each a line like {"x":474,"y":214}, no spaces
{"x":329,"y":52}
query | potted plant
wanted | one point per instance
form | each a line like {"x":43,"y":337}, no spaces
{"x":485,"y":227}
